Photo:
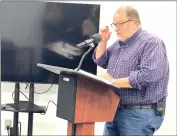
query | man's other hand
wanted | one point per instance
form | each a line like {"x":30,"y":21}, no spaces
{"x":105,"y":76}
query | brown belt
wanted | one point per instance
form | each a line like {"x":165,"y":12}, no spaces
{"x":149,"y":106}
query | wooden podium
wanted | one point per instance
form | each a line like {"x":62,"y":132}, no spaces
{"x":83,"y":99}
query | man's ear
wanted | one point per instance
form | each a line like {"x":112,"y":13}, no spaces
{"x":135,"y":22}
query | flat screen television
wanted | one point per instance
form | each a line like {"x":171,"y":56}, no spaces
{"x":45,"y":32}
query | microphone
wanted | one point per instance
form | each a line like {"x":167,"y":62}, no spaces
{"x":96,"y":38}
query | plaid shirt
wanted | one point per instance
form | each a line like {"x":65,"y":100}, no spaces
{"x":143,"y":59}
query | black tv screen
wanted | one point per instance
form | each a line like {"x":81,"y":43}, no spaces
{"x":45,"y":32}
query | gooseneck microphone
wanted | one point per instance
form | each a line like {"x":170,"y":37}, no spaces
{"x":96,"y":38}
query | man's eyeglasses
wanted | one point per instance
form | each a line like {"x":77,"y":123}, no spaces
{"x":114,"y":26}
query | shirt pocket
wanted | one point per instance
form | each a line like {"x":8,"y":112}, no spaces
{"x":125,"y":65}
{"x":129,"y":63}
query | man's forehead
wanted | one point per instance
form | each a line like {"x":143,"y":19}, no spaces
{"x":120,"y":16}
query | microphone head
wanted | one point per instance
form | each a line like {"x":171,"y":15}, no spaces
{"x":97,"y":38}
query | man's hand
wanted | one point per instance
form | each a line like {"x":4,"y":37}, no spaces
{"x":105,"y":76}
{"x":119,"y":83}
{"x":122,"y":83}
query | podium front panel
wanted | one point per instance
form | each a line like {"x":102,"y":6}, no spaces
{"x":66,"y":97}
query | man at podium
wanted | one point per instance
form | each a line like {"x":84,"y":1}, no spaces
{"x":137,"y":65}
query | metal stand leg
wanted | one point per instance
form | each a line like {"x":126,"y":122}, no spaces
{"x":30,"y":115}
{"x":16,"y":114}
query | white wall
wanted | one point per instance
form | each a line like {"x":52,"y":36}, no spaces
{"x":156,"y":17}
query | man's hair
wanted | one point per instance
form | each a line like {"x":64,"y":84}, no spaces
{"x":130,"y":11}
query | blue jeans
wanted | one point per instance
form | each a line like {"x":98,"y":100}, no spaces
{"x":134,"y":122}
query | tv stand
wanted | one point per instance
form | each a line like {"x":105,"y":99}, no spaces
{"x":23,"y":106}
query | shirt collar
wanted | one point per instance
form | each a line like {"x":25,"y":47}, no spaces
{"x":131,"y":39}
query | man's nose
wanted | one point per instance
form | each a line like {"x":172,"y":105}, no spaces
{"x":117,"y":29}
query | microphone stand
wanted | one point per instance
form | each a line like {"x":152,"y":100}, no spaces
{"x":81,"y":61}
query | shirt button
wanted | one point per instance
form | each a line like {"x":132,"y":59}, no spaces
{"x":122,"y":49}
